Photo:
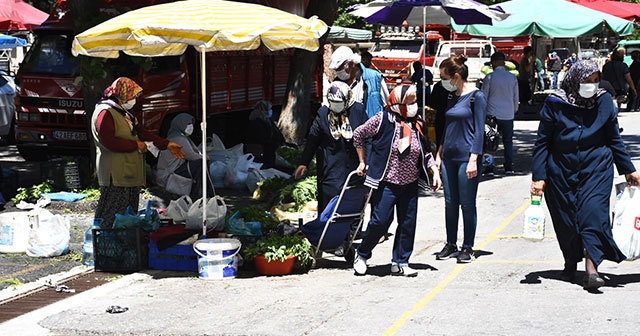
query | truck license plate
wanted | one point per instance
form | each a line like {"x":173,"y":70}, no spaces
{"x":68,"y":135}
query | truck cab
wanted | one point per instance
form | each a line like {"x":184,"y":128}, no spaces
{"x":478,"y":52}
{"x":397,"y":49}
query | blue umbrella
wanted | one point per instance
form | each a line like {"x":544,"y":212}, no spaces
{"x":10,"y":42}
{"x":415,"y":12}
{"x":418,"y":12}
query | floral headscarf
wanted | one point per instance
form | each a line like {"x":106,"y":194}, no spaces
{"x":124,"y":89}
{"x":397,"y":103}
{"x":339,"y":121}
{"x":570,"y":86}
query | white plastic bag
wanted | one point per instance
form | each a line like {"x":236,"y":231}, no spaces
{"x":178,"y":209}
{"x":217,"y":170}
{"x":49,"y":235}
{"x":626,"y":223}
{"x":226,"y":155}
{"x":216,"y":213}
{"x":237,"y":172}
{"x":213,"y":143}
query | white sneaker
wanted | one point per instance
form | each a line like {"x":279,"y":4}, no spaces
{"x":403,"y":270}
{"x":359,"y":264}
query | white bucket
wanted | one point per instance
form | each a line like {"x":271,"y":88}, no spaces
{"x":14,"y":232}
{"x":218,"y":258}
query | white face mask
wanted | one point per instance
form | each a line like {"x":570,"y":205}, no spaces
{"x":343,"y":74}
{"x":412,"y":110}
{"x":129,"y":105}
{"x":446,"y":84}
{"x":337,"y":106}
{"x":189,"y":129}
{"x":588,"y":90}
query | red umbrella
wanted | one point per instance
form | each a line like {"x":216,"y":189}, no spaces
{"x":626,"y":10}
{"x":18,"y":15}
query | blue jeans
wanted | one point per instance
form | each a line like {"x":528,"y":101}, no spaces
{"x":554,"y":84}
{"x":541,"y":79}
{"x":505,"y":127}
{"x":383,"y":199}
{"x":460,"y":192}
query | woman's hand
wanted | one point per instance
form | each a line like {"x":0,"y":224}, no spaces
{"x":472,"y":168}
{"x":176,"y":150}
{"x":437,"y":181}
{"x":299,"y":171}
{"x":633,"y":179}
{"x":142,"y":147}
{"x":537,"y":187}
{"x":362,"y":169}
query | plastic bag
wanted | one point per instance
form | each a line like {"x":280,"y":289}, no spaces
{"x":626,"y":223}
{"x":237,"y":226}
{"x":237,"y":171}
{"x":217,"y":170}
{"x":216,"y":213}
{"x":147,"y":219}
{"x":226,"y":155}
{"x":178,"y":184}
{"x":213,"y":143}
{"x":179,"y":208}
{"x":49,"y":235}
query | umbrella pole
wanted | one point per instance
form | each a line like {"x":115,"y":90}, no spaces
{"x":424,"y":59}
{"x":203,"y":127}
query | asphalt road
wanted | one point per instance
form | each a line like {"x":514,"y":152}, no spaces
{"x":512,"y":288}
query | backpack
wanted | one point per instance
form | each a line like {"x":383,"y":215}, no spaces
{"x":491,"y":134}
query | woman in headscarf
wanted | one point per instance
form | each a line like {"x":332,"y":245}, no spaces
{"x":578,"y":143}
{"x":191,"y":165}
{"x":400,"y":156}
{"x":263,"y":131}
{"x":120,"y":147}
{"x":331,"y":140}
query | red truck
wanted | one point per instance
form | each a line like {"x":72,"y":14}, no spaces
{"x":50,"y":111}
{"x":397,"y":48}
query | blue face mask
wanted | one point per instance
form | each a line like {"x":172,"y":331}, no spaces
{"x":269,"y":113}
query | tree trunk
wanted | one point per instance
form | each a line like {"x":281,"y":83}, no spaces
{"x":86,"y":14}
{"x":296,"y":111}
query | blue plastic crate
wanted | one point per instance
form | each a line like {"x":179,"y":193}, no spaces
{"x":174,"y":258}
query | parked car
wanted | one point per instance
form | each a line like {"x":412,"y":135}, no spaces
{"x":586,"y":54}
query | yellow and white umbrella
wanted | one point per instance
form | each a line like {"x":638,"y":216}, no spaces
{"x":208,"y":25}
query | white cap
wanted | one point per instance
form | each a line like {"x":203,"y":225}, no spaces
{"x":341,"y":55}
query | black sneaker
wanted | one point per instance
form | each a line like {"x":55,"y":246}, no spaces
{"x":465,"y":255}
{"x":448,"y":251}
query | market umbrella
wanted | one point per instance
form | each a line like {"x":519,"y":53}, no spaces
{"x":553,"y":18}
{"x":416,"y":12}
{"x":10,"y":42}
{"x":626,"y":10}
{"x":19,"y":15}
{"x":207,"y":25}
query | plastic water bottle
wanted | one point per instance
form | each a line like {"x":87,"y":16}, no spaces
{"x":87,"y":245}
{"x":534,"y":220}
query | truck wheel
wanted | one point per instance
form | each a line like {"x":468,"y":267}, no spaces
{"x":30,"y":153}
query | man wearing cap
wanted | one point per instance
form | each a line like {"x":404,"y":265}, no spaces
{"x":501,"y":89}
{"x":554,"y":64}
{"x":367,"y":85}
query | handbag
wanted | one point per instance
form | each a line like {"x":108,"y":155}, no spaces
{"x":216,"y":213}
{"x":626,"y":223}
{"x":178,"y":184}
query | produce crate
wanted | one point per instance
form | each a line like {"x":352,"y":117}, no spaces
{"x":174,"y":258}
{"x":120,"y":250}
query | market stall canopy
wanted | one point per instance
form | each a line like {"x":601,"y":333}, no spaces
{"x":351,"y":34}
{"x":208,"y":25}
{"x":19,"y":15}
{"x":10,"y":42}
{"x":626,"y":10}
{"x":553,"y":18}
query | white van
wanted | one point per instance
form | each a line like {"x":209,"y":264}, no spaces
{"x":478,"y":52}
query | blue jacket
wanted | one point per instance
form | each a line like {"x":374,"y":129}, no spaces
{"x":381,"y":146}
